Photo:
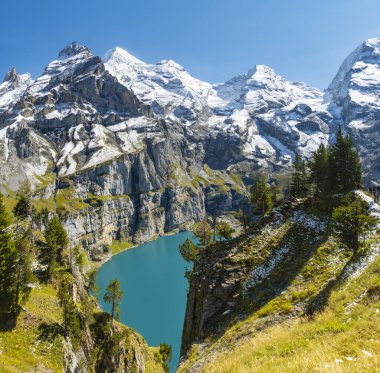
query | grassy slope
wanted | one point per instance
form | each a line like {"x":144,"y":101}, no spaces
{"x":33,"y":346}
{"x":274,"y":338}
{"x":25,"y":348}
{"x":344,"y":337}
{"x":118,"y":246}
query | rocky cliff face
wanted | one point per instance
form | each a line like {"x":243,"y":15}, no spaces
{"x":131,"y":149}
{"x":81,"y":135}
{"x":235,"y":278}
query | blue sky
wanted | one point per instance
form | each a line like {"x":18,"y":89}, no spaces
{"x":213,"y":39}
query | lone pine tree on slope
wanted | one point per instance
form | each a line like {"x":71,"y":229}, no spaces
{"x":113,"y":296}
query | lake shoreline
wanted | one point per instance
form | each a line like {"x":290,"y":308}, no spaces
{"x":152,"y":278}
{"x":96,"y":265}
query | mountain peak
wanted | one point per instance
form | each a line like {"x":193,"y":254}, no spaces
{"x":10,"y":75}
{"x":72,"y":50}
{"x":16,"y":79}
{"x":264,"y":68}
{"x":373,"y":42}
{"x":360,"y":66}
{"x":121,"y":55}
{"x":261,"y":70}
{"x":263,"y":76}
{"x":171,"y":64}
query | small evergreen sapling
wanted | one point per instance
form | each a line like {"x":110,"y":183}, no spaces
{"x":351,"y":221}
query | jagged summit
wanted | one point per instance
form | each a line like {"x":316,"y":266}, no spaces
{"x":172,"y":64}
{"x":263,"y":76}
{"x":12,"y":88}
{"x":10,"y":75}
{"x":72,"y":50}
{"x":353,"y":97}
{"x":259,"y":115}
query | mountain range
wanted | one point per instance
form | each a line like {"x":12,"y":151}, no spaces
{"x":146,"y":148}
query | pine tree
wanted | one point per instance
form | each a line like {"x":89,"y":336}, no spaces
{"x":22,"y":208}
{"x":189,"y":251}
{"x":346,"y":173}
{"x":113,"y":296}
{"x":24,"y":273}
{"x":300,"y":181}
{"x":242,"y":216}
{"x":8,"y":264}
{"x":92,"y":283}
{"x":56,"y":243}
{"x":261,"y":199}
{"x":319,"y":170}
{"x":354,"y":179}
{"x":166,"y":355}
{"x":70,"y":312}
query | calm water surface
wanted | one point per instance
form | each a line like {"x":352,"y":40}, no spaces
{"x":154,"y":287}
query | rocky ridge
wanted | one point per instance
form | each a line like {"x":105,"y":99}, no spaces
{"x":283,"y":271}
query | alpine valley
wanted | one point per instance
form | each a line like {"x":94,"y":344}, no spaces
{"x":124,"y":151}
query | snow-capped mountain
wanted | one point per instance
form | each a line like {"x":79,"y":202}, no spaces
{"x":271,"y":117}
{"x":354,"y":98}
{"x":276,"y":117}
{"x":13,"y":86}
{"x":116,"y":126}
{"x":165,"y":86}
{"x":94,"y":109}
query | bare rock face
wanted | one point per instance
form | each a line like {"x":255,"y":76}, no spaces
{"x":73,"y":49}
{"x":11,"y":75}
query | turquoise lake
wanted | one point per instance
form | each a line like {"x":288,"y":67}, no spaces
{"x":154,"y":290}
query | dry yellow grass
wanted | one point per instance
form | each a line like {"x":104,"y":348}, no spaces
{"x":343,"y":338}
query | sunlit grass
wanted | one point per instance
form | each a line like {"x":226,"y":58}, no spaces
{"x":24,"y":348}
{"x":344,"y":337}
{"x":118,"y":246}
